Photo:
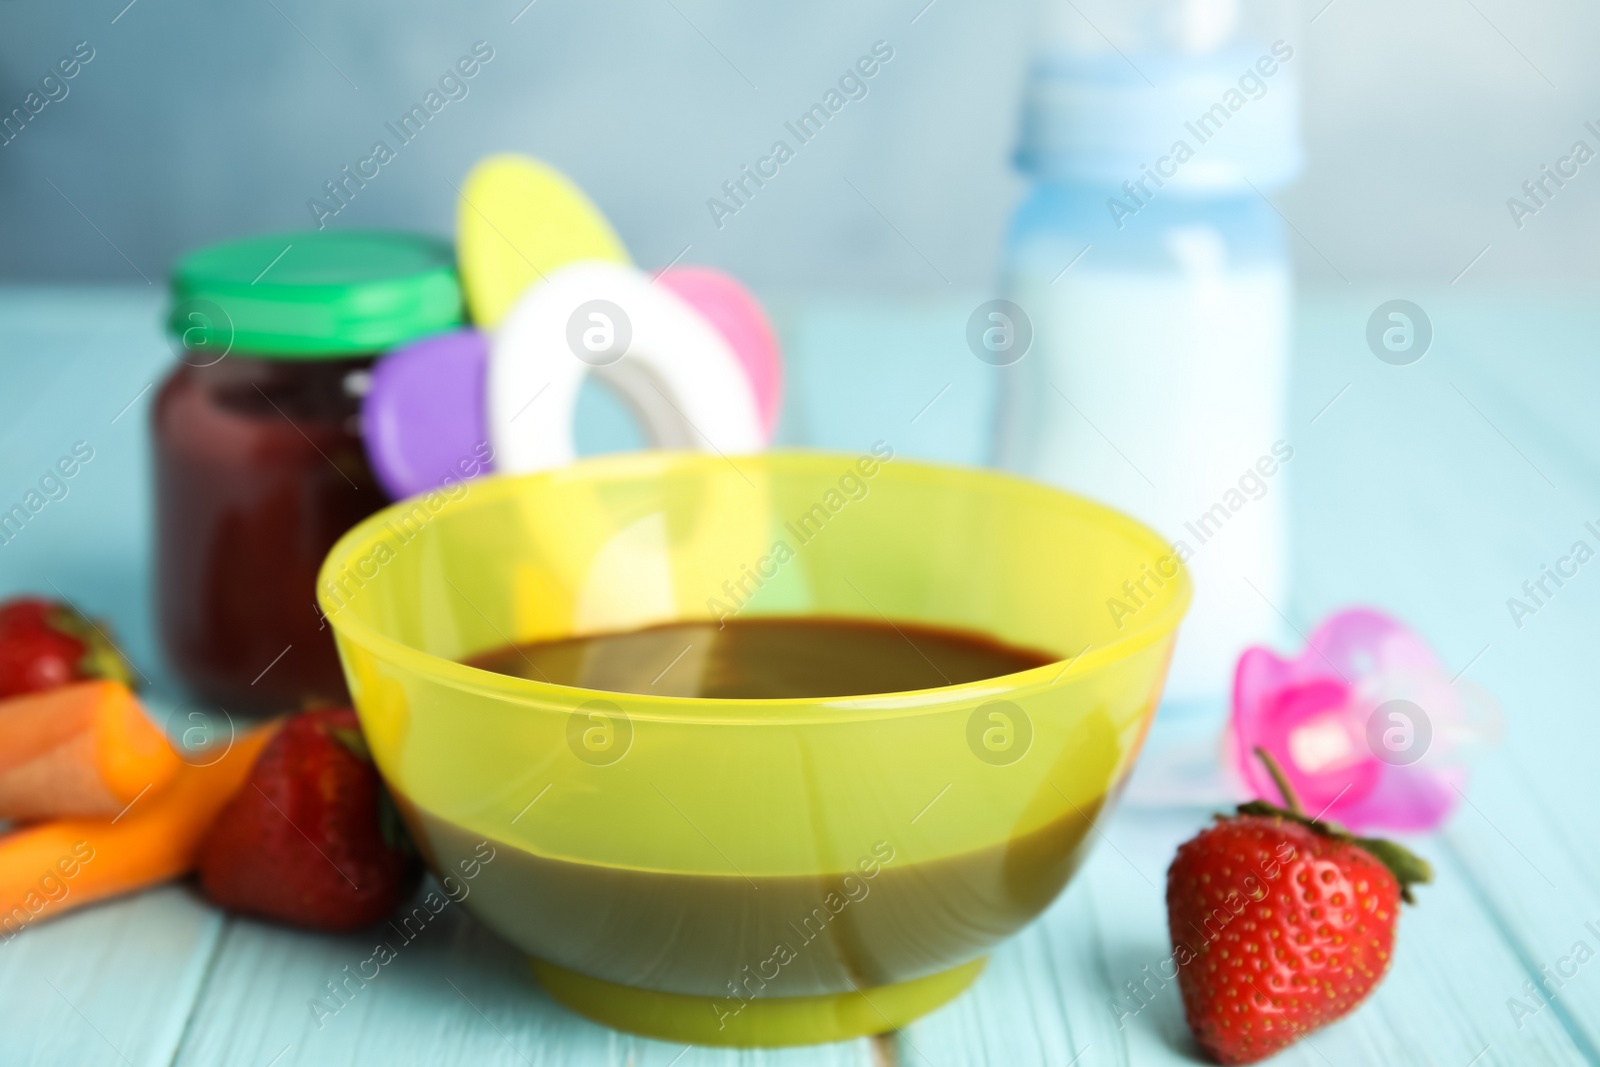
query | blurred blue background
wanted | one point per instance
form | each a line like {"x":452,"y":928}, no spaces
{"x":195,"y":122}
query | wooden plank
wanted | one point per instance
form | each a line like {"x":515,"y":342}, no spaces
{"x":455,"y":994}
{"x":1406,"y":496}
{"x":109,"y":985}
{"x":1438,"y":496}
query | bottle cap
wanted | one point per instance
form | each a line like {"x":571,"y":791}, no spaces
{"x":313,"y":294}
{"x":1098,"y":119}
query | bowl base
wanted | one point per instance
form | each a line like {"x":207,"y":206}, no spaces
{"x":768,"y":1021}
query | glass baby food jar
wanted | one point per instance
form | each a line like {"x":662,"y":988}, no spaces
{"x":259,"y":462}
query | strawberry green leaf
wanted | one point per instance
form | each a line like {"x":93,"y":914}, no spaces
{"x":101,"y":658}
{"x":1408,"y":868}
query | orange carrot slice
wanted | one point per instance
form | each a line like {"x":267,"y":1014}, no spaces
{"x":83,"y":749}
{"x":53,"y":867}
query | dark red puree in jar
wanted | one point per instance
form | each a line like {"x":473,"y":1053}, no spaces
{"x":260,"y":465}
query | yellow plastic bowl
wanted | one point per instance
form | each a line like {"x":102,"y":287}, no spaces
{"x":753,"y":872}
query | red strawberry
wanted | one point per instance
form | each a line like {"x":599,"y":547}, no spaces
{"x":44,"y":645}
{"x":311,"y":839}
{"x":1280,"y":924}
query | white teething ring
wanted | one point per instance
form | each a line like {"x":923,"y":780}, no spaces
{"x":676,"y":371}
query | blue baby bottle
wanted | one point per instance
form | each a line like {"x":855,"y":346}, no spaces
{"x":1152,"y":266}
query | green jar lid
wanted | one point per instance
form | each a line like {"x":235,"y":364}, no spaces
{"x":314,"y":294}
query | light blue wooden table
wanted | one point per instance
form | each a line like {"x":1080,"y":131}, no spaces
{"x":1433,"y":490}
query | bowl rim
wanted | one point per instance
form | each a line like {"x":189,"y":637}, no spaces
{"x":362,"y":537}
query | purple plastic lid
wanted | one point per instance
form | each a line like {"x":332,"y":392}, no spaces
{"x":423,"y":418}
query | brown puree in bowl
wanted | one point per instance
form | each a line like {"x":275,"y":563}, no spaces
{"x":730,"y":937}
{"x":766,"y":658}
